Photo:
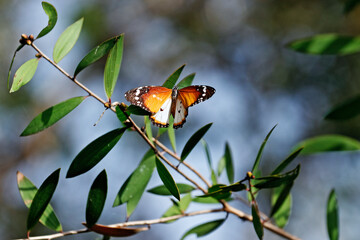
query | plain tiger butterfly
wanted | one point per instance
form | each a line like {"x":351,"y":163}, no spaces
{"x":162,"y":102}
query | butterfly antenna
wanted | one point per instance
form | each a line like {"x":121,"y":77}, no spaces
{"x":100,"y":117}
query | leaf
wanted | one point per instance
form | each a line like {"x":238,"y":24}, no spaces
{"x":217,"y":192}
{"x":171,"y":80}
{"x":120,"y":114}
{"x":204,"y":229}
{"x":132,"y":109}
{"x":229,"y":164}
{"x":257,"y":222}
{"x":171,"y":133}
{"x":282,"y":214}
{"x":235,"y":187}
{"x":179,"y":208}
{"x":346,"y":110}
{"x":112,"y":66}
{"x":167,"y":179}
{"x":207,"y":152}
{"x":148,"y":129}
{"x":328,"y":143}
{"x":208,"y":157}
{"x":194,"y":139}
{"x":332,"y":216}
{"x":42,"y":199}
{"x":52,"y":14}
{"x":282,"y":194}
{"x":162,"y":190}
{"x":273,"y":181}
{"x":350,"y":5}
{"x":27,"y":191}
{"x":259,"y":154}
{"x":327,"y":44}
{"x":115,"y":231}
{"x":11,"y":64}
{"x":24,"y":74}
{"x":187,"y":81}
{"x":96,"y":199}
{"x":67,"y":40}
{"x":287,"y":161}
{"x":221,"y":166}
{"x":96,"y":53}
{"x":51,"y":115}
{"x":134,"y":186}
{"x":93,"y":153}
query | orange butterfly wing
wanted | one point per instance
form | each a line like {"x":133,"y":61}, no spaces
{"x":150,"y":98}
{"x":195,"y":94}
{"x":188,"y":97}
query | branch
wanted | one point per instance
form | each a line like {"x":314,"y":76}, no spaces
{"x":127,"y":224}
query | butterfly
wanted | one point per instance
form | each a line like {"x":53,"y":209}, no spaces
{"x":162,"y":102}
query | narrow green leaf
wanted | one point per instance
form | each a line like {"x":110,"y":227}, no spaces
{"x":178,"y":208}
{"x":93,"y":153}
{"x":332,"y":216}
{"x":350,"y":5}
{"x":235,"y":187}
{"x":171,"y":133}
{"x":148,"y":129}
{"x":277,"y":180}
{"x":327,"y":44}
{"x":67,"y":40}
{"x":27,"y":191}
{"x":132,"y":109}
{"x":204,"y":229}
{"x":207,"y":152}
{"x":206,"y":200}
{"x":52,"y":14}
{"x":120,"y":114}
{"x":229,"y":163}
{"x":42,"y":199}
{"x":221,"y":166}
{"x":217,"y":192}
{"x":282,"y":214}
{"x":167,"y":179}
{"x":194,"y":139}
{"x":281,"y":197}
{"x":257,"y":222}
{"x":287,"y":161}
{"x":162,"y":190}
{"x":133,"y":188}
{"x":96,"y":199}
{"x":24,"y":74}
{"x":187,"y":81}
{"x":328,"y":143}
{"x":51,"y":115}
{"x":171,"y":80}
{"x":11,"y":64}
{"x":112,"y":66}
{"x":96,"y":53}
{"x":258,"y":157}
{"x":346,"y":110}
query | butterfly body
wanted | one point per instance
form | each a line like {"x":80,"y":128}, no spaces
{"x":162,"y":102}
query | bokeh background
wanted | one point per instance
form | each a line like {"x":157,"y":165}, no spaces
{"x":236,"y":46}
